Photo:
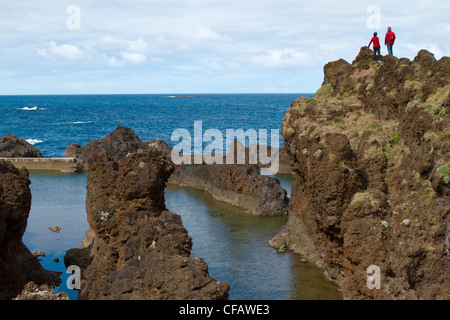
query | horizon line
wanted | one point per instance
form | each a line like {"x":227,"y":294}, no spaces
{"x":165,"y":94}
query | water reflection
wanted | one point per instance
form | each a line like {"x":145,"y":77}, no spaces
{"x":235,"y":247}
{"x":57,"y":200}
{"x":233,"y":243}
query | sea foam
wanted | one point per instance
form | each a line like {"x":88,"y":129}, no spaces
{"x":80,"y":122}
{"x":31,"y":108}
{"x":34,"y":141}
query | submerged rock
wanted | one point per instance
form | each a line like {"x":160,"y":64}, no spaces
{"x":239,"y":185}
{"x":370,"y":157}
{"x":55,"y":229}
{"x":18,"y":266}
{"x":136,"y":248}
{"x":39,"y":254}
{"x":15,"y":147}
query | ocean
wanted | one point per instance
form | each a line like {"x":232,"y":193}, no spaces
{"x":52,"y":122}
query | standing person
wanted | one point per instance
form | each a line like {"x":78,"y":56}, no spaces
{"x":389,"y":40}
{"x":376,"y":47}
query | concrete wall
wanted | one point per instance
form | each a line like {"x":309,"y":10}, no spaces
{"x":43,"y":164}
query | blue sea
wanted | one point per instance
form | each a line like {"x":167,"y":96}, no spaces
{"x":233,"y":244}
{"x":52,"y":122}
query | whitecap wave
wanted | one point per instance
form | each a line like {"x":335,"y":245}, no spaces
{"x":72,"y":122}
{"x":34,"y":141}
{"x":80,"y":122}
{"x":31,"y":108}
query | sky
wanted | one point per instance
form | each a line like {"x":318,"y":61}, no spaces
{"x":200,"y":46}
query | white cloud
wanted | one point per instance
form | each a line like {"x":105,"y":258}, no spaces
{"x":205,"y":34}
{"x":280,"y":59}
{"x":113,"y":61}
{"x":139,"y":46}
{"x":64,"y":51}
{"x":133,"y":57}
{"x":110,"y":40}
{"x":133,"y":53}
{"x":413,"y":48}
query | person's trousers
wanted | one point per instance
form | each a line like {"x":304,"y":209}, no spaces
{"x":376,"y":53}
{"x":389,"y":48}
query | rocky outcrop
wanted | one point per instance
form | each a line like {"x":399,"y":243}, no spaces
{"x":15,"y":147}
{"x":119,"y":144}
{"x":370,"y":155}
{"x":136,"y":248}
{"x":238,"y":184}
{"x":160,"y":147}
{"x":18,"y":266}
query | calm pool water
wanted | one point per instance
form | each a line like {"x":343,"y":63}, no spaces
{"x":232,"y":243}
{"x":57,"y":200}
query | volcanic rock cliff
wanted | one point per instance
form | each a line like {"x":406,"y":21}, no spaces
{"x":17,"y":265}
{"x":135,"y":248}
{"x":371,"y":161}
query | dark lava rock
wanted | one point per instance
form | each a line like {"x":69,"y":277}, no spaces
{"x":15,"y":147}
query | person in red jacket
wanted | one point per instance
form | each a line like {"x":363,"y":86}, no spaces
{"x":389,"y":40}
{"x":376,"y":47}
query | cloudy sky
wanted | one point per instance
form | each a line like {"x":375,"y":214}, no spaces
{"x":200,"y":46}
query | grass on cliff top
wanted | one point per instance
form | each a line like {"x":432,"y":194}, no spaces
{"x":325,"y":91}
{"x":435,"y":102}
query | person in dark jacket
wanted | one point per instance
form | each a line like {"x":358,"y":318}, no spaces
{"x":376,"y":47}
{"x":389,"y":40}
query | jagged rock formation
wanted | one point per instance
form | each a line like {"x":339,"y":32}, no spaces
{"x":160,"y":147}
{"x":119,"y":144}
{"x":370,"y":155}
{"x":238,"y":184}
{"x":15,"y":147}
{"x":136,"y":248}
{"x":17,"y":264}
